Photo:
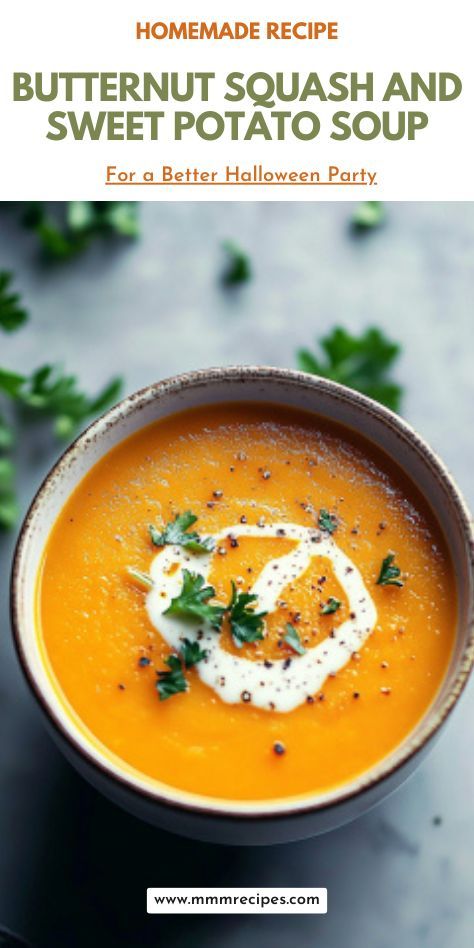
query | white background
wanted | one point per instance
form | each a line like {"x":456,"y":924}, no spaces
{"x":99,"y":35}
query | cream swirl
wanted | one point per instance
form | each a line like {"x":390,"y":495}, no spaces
{"x":277,"y":685}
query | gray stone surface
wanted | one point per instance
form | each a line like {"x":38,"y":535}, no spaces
{"x":73,"y":868}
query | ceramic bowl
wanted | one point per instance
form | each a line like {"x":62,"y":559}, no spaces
{"x":229,"y":821}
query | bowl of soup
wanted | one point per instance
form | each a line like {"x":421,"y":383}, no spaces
{"x":243,"y":600}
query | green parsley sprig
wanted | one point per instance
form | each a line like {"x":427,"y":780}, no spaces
{"x":368,"y":215}
{"x":363,"y":363}
{"x":47,"y":392}
{"x":50,"y":393}
{"x":193,"y":601}
{"x":8,"y":500}
{"x":239,"y":268}
{"x":389,"y":572}
{"x":12,"y":313}
{"x":12,"y":316}
{"x":292,"y":638}
{"x":173,"y":681}
{"x":177,"y":532}
{"x":327,"y":521}
{"x":66,"y":234}
{"x":246,"y":625}
{"x":192,"y":653}
{"x":331,"y":606}
{"x":6,"y":435}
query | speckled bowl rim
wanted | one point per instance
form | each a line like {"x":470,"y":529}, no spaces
{"x":171,"y":797}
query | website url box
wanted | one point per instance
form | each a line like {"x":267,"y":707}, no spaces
{"x":211,"y":901}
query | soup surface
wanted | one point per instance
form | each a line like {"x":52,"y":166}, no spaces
{"x":155,"y":646}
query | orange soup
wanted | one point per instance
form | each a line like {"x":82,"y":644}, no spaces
{"x":247,"y":602}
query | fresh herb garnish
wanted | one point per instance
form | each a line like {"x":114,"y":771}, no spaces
{"x":143,"y":579}
{"x":103,"y":217}
{"x":53,"y":235}
{"x":65,"y":235}
{"x":292,"y":639}
{"x":8,"y":501}
{"x":327,"y":521}
{"x":368,"y":215}
{"x":360,"y":362}
{"x":6,"y":435}
{"x":192,"y":653}
{"x":331,"y":606}
{"x":389,"y":572}
{"x":50,"y":393}
{"x":171,"y":682}
{"x":246,"y":625}
{"x":46,"y":393}
{"x":239,"y":269}
{"x":12,"y":314}
{"x":193,"y":601}
{"x":11,"y":383}
{"x":177,"y":533}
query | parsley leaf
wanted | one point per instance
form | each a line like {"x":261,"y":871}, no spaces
{"x":11,"y":383}
{"x":239,"y":269}
{"x":50,"y":393}
{"x":193,"y":601}
{"x":327,"y":521}
{"x":94,"y":217}
{"x":192,"y":653}
{"x":66,"y":236}
{"x":368,"y":215}
{"x":389,"y":572}
{"x":245,"y":624}
{"x":331,"y":606}
{"x":360,"y":362}
{"x":171,"y":682}
{"x":6,"y":435}
{"x":8,"y":501}
{"x":12,"y":314}
{"x":47,"y":393}
{"x":55,"y":240}
{"x":120,"y":217}
{"x":292,"y":639}
{"x":176,"y":533}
